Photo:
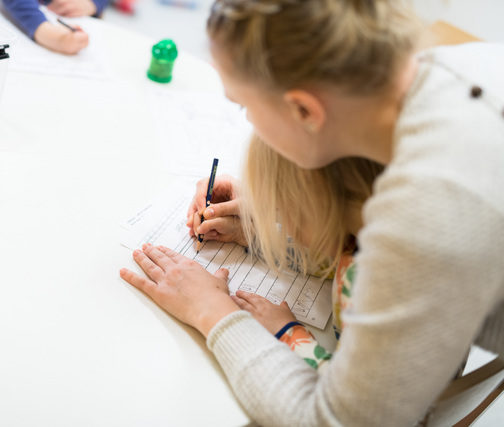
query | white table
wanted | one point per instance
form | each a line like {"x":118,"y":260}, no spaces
{"x":79,"y":347}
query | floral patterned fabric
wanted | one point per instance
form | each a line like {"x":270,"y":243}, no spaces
{"x":342,"y":291}
{"x":301,"y":341}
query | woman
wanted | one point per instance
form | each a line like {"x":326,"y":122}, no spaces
{"x":328,"y":79}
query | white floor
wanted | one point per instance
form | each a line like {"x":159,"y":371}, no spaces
{"x":494,"y":415}
{"x":187,"y":28}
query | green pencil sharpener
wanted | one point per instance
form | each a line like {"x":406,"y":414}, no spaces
{"x":164,"y":54}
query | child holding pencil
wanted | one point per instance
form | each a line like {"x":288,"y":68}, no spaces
{"x":324,"y":81}
{"x":31,"y":19}
{"x":223,"y":223}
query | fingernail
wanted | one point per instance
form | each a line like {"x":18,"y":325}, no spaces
{"x":122,"y":271}
{"x":136,"y":252}
{"x":209,"y":213}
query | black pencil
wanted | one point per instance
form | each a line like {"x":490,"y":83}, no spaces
{"x":66,"y":25}
{"x":208,"y":198}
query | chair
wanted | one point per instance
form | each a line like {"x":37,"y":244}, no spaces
{"x":443,"y":33}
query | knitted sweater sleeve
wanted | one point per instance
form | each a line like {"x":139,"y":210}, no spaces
{"x":426,"y":280}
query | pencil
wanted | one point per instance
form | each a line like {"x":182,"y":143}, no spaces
{"x":208,"y":198}
{"x":66,"y":25}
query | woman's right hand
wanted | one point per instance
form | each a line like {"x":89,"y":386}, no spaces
{"x":61,"y":39}
{"x":222,"y":217}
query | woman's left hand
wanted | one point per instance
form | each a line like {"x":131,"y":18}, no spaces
{"x":182,"y":287}
{"x":272,"y":316}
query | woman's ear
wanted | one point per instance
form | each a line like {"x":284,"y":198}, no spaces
{"x":306,"y":109}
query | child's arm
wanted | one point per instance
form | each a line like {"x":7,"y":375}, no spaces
{"x":279,"y":320}
{"x":300,"y":340}
{"x":75,"y":8}
{"x":303,"y":343}
{"x":27,"y":15}
{"x":100,"y":5}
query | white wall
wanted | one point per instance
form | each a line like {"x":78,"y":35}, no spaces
{"x":158,"y":21}
{"x":483,"y":18}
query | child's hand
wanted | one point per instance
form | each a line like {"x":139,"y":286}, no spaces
{"x":222,"y":218}
{"x":273,"y":317}
{"x":72,"y":8}
{"x":61,"y":39}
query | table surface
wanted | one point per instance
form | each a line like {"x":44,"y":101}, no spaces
{"x":79,"y":347}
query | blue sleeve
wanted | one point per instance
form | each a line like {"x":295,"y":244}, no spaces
{"x":26,"y":14}
{"x":100,"y":5}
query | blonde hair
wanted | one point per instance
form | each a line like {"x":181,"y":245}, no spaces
{"x":299,"y":218}
{"x":357,"y":44}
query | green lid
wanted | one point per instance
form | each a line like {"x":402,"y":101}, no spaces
{"x":165,"y":50}
{"x":164,"y":54}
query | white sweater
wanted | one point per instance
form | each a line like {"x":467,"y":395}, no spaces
{"x":430,"y":268}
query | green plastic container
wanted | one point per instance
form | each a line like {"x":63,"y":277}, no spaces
{"x":164,"y":54}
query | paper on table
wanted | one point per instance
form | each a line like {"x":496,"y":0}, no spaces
{"x":162,"y":222}
{"x":195,"y":127}
{"x":28,"y":56}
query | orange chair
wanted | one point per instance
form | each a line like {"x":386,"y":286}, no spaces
{"x":442,"y":33}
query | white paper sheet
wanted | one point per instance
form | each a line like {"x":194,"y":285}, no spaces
{"x":195,"y":127}
{"x":28,"y":56}
{"x":162,"y":222}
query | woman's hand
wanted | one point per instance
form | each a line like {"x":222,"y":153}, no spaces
{"x":222,"y":217}
{"x":182,"y":287}
{"x":72,"y":8}
{"x":273,"y":317}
